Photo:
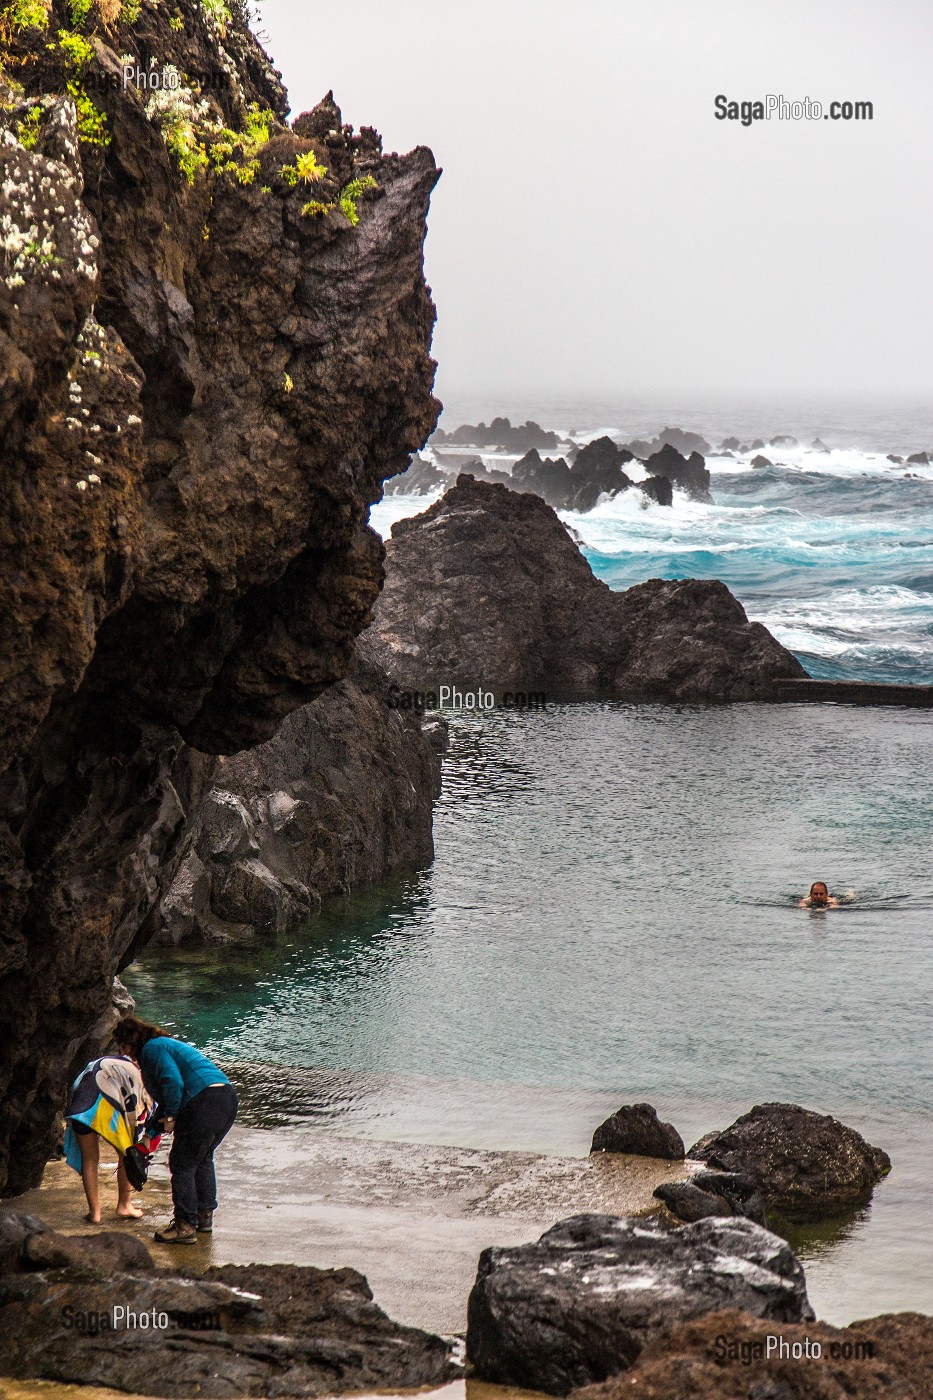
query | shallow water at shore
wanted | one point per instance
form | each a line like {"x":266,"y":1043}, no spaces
{"x":612,"y":916}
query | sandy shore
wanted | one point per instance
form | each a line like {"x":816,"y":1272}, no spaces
{"x":412,"y":1218}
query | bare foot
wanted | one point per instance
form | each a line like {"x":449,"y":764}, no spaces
{"x":129,"y":1212}
{"x":92,"y":1219}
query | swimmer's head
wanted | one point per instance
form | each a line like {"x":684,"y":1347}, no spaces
{"x":819,"y":893}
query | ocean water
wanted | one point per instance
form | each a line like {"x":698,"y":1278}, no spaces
{"x":612,"y":916}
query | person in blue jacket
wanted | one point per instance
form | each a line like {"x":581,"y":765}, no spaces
{"x":196,"y":1102}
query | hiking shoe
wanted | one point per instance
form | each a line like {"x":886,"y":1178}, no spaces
{"x":178,"y":1232}
{"x":205,"y":1222}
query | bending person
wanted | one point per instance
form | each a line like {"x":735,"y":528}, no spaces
{"x":199,"y":1105}
{"x":107,"y":1101}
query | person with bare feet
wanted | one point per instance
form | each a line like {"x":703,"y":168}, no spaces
{"x":819,"y":897}
{"x":109,"y":1102}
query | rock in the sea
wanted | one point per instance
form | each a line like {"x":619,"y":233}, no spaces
{"x":658,"y":489}
{"x":818,"y":445}
{"x":420,"y":479}
{"x":500,"y":433}
{"x":548,"y":478}
{"x":807,"y":1165}
{"x":690,"y":474}
{"x":713,"y":1193}
{"x":636,"y":1129}
{"x":202,"y":390}
{"x":784,"y":440}
{"x":581,"y":1303}
{"x":257,"y":1330}
{"x":730,"y":444}
{"x":341,"y":797}
{"x":488,"y":588}
{"x":726,"y":1356}
{"x":761,"y":461}
{"x":920,"y":458}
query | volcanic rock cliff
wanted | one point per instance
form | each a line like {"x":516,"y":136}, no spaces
{"x":214,"y":347}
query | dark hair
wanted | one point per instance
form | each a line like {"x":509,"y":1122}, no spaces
{"x":819,"y":885}
{"x":132,"y":1034}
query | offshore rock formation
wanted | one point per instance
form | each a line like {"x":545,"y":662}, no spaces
{"x":581,"y":1303}
{"x":724,"y":1356}
{"x":212,"y":353}
{"x":342,"y":796}
{"x":488,"y":587}
{"x":807,"y":1165}
{"x":500,"y":433}
{"x":248,"y":1330}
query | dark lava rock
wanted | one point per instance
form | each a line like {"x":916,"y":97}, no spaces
{"x":548,"y":478}
{"x":724,"y":1356}
{"x":818,"y":445}
{"x":659,"y":489}
{"x":784,"y":440}
{"x":923,"y":458}
{"x":761,"y":461}
{"x":600,"y":463}
{"x":892,"y":457}
{"x":580,"y":1304}
{"x":807,"y":1165}
{"x":201,"y":394}
{"x":341,"y":797}
{"x":500,"y":433}
{"x":636,"y":1129}
{"x":756,"y":446}
{"x":713,"y":1193}
{"x":487,"y":587}
{"x":257,"y":1330}
{"x":690,"y":473}
{"x":730,"y":444}
{"x":421,"y":478}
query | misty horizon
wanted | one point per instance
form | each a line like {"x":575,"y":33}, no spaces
{"x":597,"y":233}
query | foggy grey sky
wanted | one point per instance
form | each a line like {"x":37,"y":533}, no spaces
{"x":597,"y":232}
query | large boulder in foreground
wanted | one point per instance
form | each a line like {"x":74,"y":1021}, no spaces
{"x":807,"y":1165}
{"x":487,"y":587}
{"x":636,"y":1129}
{"x":257,"y":1330}
{"x":342,"y":797}
{"x":581,"y":1303}
{"x":725,"y":1356}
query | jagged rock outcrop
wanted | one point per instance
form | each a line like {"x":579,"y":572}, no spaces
{"x":420,"y":479}
{"x":488,"y":587}
{"x":342,"y":796}
{"x":249,"y":1330}
{"x":677,"y":438}
{"x":725,"y":1356}
{"x":637,"y":1129}
{"x":807,"y":1165}
{"x":500,"y":433}
{"x":214,"y":348}
{"x":581,"y":1303}
{"x":690,"y":474}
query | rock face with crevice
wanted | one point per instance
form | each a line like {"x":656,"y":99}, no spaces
{"x":341,"y":797}
{"x":203,"y":386}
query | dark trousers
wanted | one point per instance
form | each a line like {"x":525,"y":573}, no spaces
{"x":200,"y":1128}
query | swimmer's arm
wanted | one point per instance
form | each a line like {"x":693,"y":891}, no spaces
{"x":804,"y":904}
{"x":832,"y":904}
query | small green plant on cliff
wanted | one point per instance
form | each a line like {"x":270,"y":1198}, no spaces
{"x":235,"y":152}
{"x":305,"y":169}
{"x":289,"y":383}
{"x":92,"y":123}
{"x":22,"y":14}
{"x":129,"y":11}
{"x":218,"y":11}
{"x":350,"y":194}
{"x":28,"y":131}
{"x":176,"y":23}
{"x":80,"y":9}
{"x":174,"y":110}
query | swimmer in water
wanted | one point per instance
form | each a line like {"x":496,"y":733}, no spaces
{"x":819,"y":898}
